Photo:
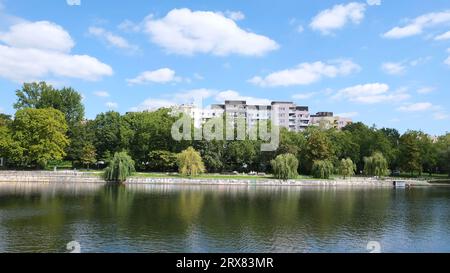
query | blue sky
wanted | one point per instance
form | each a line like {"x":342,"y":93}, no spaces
{"x":379,"y":62}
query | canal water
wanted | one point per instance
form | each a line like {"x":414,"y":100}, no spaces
{"x":175,"y":218}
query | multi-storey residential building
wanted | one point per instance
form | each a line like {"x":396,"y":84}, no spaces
{"x":283,"y":113}
{"x":328,"y":120}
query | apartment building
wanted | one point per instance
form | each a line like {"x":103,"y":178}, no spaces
{"x":283,"y":113}
{"x":327,"y":120}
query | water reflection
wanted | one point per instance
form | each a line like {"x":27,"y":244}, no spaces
{"x":173,"y":218}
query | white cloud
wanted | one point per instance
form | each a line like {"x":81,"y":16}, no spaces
{"x":1,"y":108}
{"x":417,"y":25}
{"x":112,"y":105}
{"x":300,"y":29}
{"x":416,"y":107}
{"x":30,"y":57}
{"x":235,"y":15}
{"x":337,"y":17}
{"x":29,"y":64}
{"x":303,"y":96}
{"x":163,"y":75}
{"x":307,"y":73}
{"x":234,"y":95}
{"x":393,"y":68}
{"x":443,"y":36}
{"x":373,"y":2}
{"x":112,"y":39}
{"x":51,"y":36}
{"x":348,"y":114}
{"x":371,"y":93}
{"x":153,"y":104}
{"x":425,"y":90}
{"x":195,"y":96}
{"x":187,"y":32}
{"x":101,"y":94}
{"x":73,"y":2}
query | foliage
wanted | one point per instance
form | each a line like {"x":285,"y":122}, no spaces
{"x":89,"y":155}
{"x":162,"y":161}
{"x":285,"y":166}
{"x":410,"y":159}
{"x":322,"y":169}
{"x":40,"y":135}
{"x":347,"y":167}
{"x":376,"y":165}
{"x":190,"y":162}
{"x":317,"y":148}
{"x":120,"y":168}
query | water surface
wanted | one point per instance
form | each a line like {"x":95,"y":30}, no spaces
{"x":172,"y":218}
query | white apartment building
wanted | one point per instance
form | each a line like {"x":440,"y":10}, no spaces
{"x":285,"y":114}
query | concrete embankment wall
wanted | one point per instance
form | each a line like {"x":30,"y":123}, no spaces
{"x":49,"y":177}
{"x":263,"y":182}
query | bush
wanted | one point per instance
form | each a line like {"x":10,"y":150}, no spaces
{"x":285,"y":166}
{"x":376,"y":165}
{"x":322,"y":169}
{"x":347,"y":167}
{"x":190,"y":162}
{"x":120,"y":168}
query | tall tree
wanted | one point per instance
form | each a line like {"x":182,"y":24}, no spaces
{"x":41,"y":134}
{"x":317,"y":147}
{"x":410,"y":160}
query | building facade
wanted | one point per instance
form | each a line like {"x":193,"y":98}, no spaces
{"x":282,"y":113}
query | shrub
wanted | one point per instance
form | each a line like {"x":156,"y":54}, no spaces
{"x":120,"y":168}
{"x":190,"y":162}
{"x":347,"y":167}
{"x":285,"y":166}
{"x":322,"y":169}
{"x":376,"y":165}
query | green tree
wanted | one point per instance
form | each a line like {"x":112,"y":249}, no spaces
{"x":285,"y":166}
{"x":322,"y":169}
{"x":376,"y":165}
{"x":443,"y":151}
{"x":347,"y":167}
{"x":41,"y":135}
{"x":410,"y":160}
{"x":42,"y":95}
{"x":89,"y":155}
{"x":317,"y":147}
{"x":162,"y":161}
{"x":190,"y":162}
{"x":111,"y":133}
{"x":120,"y":168}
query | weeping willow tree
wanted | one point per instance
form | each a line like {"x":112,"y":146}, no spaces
{"x":190,"y":162}
{"x":120,"y":167}
{"x":285,"y":166}
{"x":347,"y":167}
{"x":376,"y":165}
{"x":322,"y":169}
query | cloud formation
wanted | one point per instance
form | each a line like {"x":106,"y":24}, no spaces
{"x":187,"y":32}
{"x":29,"y":57}
{"x":338,"y":16}
{"x":417,"y":25}
{"x":307,"y":73}
{"x":371,"y":93}
{"x":163,"y":75}
{"x":112,"y":39}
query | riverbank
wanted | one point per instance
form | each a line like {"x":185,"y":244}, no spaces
{"x":91,"y":177}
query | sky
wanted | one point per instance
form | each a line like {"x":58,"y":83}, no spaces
{"x":382,"y":62}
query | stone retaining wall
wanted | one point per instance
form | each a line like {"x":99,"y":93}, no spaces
{"x":49,"y":177}
{"x":83,"y":177}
